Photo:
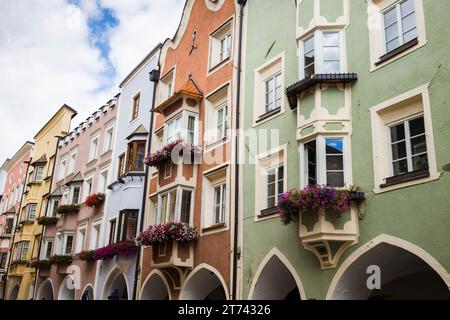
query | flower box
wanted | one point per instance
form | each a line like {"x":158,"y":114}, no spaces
{"x":124,"y":248}
{"x":171,"y":151}
{"x":94,"y":200}
{"x":328,"y":220}
{"x":61,"y":260}
{"x":47,"y":221}
{"x":87,"y":256}
{"x":68,"y":209}
{"x":41,"y":264}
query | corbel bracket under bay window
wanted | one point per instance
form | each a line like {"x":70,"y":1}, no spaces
{"x":297,"y":88}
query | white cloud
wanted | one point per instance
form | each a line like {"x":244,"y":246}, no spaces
{"x":47,"y":58}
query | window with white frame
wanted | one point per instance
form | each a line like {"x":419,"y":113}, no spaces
{"x":95,"y":235}
{"x":81,"y":238}
{"x":322,"y":53}
{"x":274,"y":185}
{"x":62,"y":169}
{"x":269,"y":96}
{"x":109,"y":137}
{"x":22,"y":250}
{"x":54,"y":203}
{"x":93,"y":151}
{"x":72,"y":161}
{"x":65,"y":196}
{"x":324,"y":162}
{"x":38,"y":173}
{"x":215,"y":198}
{"x":88,"y":186}
{"x":31,"y":211}
{"x":152,"y":211}
{"x":217,"y":116}
{"x":167,"y":85}
{"x":175,"y":205}
{"x":64,"y":243}
{"x":274,"y":92}
{"x":47,"y":248}
{"x":408,"y":146}
{"x":183,"y":126}
{"x":103,"y":180}
{"x":112,"y":231}
{"x":400,"y":25}
{"x":75,"y":192}
{"x":221,"y":44}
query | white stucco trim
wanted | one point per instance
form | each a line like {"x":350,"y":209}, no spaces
{"x":385,"y":238}
{"x":275,"y":252}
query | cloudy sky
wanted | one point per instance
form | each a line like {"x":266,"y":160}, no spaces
{"x":70,"y":51}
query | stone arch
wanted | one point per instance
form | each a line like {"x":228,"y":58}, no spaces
{"x":115,"y":280}
{"x":276,"y":279}
{"x":67,"y":289}
{"x":46,"y":290}
{"x":204,"y":283}
{"x":406,"y":272}
{"x":156,"y":287}
{"x":89,"y":288}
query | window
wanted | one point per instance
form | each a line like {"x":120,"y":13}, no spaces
{"x":183,"y":126}
{"x":408,"y":146}
{"x":175,"y":205}
{"x":93,"y":153}
{"x":220,"y":200}
{"x":47,"y":249}
{"x":222,"y":122}
{"x":81,"y":238}
{"x":75,"y":195}
{"x":22,"y":249}
{"x":9,"y":225}
{"x":121,"y":169}
{"x":135,"y":109}
{"x":2,"y":263}
{"x":103,"y":181}
{"x":109,"y":136}
{"x":112,"y":231}
{"x":88,"y":186}
{"x":220,"y":45}
{"x":62,"y":169}
{"x":31,"y":211}
{"x":52,"y":207}
{"x":72,"y":161}
{"x":167,"y":169}
{"x":274,"y":92}
{"x":127,"y":225}
{"x":167,"y":85}
{"x":400,"y":24}
{"x":68,"y":243}
{"x":39,"y":174}
{"x":136,"y":155}
{"x":95,"y":235}
{"x":322,"y":53}
{"x":324,"y":162}
{"x":274,"y":186}
{"x":65,"y":196}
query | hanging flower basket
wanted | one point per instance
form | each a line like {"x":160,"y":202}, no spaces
{"x":68,"y":208}
{"x":47,"y":221}
{"x":124,"y":248}
{"x":87,"y":256}
{"x":312,"y":198}
{"x":94,"y":200}
{"x":178,"y":231}
{"x":61,"y":260}
{"x":179,"y":147}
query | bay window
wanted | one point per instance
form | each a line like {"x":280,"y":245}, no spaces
{"x":31,"y":211}
{"x":183,"y":126}
{"x":127,"y":225}
{"x":136,"y":155}
{"x":38,"y":174}
{"x":324,"y":162}
{"x":175,"y":205}
{"x":22,"y":249}
{"x":322,"y":53}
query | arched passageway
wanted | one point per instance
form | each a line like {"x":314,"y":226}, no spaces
{"x":155,"y":288}
{"x":204,"y":283}
{"x":67,"y":289}
{"x":116,"y":287}
{"x":45,"y":291}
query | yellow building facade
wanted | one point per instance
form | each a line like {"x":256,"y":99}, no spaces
{"x":22,"y":274}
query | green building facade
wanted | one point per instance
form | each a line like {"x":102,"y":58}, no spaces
{"x":349,"y":93}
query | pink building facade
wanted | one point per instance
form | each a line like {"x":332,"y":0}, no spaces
{"x":15,"y":171}
{"x":72,"y":225}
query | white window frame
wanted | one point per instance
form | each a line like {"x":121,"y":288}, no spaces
{"x":93,"y":151}
{"x":45,"y":246}
{"x":66,"y":235}
{"x":274,"y":77}
{"x":80,"y":244}
{"x":38,"y":169}
{"x":319,"y":52}
{"x":51,"y":212}
{"x":321,"y":160}
{"x":94,"y":241}
{"x":21,"y":249}
{"x":29,"y":211}
{"x":85,"y":190}
{"x":102,"y":183}
{"x":277,"y":179}
{"x":108,"y":140}
{"x":166,"y":85}
{"x":63,"y":168}
{"x":71,"y":165}
{"x":182,"y":132}
{"x":72,"y":192}
{"x":212,"y":179}
{"x":178,"y":197}
{"x":218,"y":56}
{"x":223,"y":207}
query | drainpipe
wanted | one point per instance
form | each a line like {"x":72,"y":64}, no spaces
{"x":236,"y":254}
{"x":154,"y":77}
{"x":45,"y":212}
{"x":15,"y":228}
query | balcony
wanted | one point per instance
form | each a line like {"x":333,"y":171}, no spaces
{"x":328,"y":220}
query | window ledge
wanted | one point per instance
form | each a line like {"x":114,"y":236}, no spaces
{"x":268,"y":212}
{"x":216,"y":143}
{"x":213,"y":227}
{"x":397,"y":51}
{"x":91,"y":162}
{"x":218,"y":65}
{"x":407,"y":177}
{"x":268,"y":114}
